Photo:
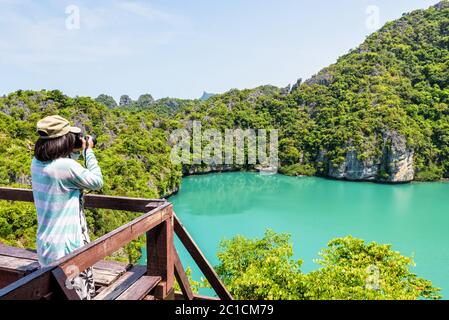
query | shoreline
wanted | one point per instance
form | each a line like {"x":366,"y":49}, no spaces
{"x":444,"y":180}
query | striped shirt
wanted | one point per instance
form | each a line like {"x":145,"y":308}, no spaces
{"x":57,"y":188}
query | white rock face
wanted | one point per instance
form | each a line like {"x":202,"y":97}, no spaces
{"x":394,"y":166}
{"x":399,"y":159}
{"x":203,"y":169}
{"x":355,"y":169}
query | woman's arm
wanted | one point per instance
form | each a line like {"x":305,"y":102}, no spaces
{"x":86,"y":178}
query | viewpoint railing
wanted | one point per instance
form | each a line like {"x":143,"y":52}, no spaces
{"x":158,"y":222}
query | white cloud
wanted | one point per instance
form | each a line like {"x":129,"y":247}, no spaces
{"x":38,"y":40}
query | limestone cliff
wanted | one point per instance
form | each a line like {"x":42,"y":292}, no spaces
{"x":395,"y":165}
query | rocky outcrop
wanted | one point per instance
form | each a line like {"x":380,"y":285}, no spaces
{"x":354,"y":169}
{"x":108,"y":101}
{"x":324,"y":77}
{"x":395,"y":165}
{"x":125,"y":101}
{"x":203,"y":169}
{"x":398,"y":158}
{"x":21,"y":179}
{"x":206,"y":95}
{"x":441,"y":5}
{"x":145,"y":101}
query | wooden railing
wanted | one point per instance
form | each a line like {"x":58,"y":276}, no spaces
{"x":158,"y":222}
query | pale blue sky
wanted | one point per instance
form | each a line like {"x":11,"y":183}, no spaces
{"x":179,"y":48}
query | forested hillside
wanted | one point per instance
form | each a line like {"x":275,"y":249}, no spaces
{"x":132,"y":149}
{"x":379,"y":113}
{"x":382,"y":110}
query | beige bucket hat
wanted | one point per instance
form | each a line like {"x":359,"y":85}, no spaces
{"x":54,"y":127}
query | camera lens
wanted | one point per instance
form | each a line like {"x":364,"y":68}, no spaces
{"x":78,"y":141}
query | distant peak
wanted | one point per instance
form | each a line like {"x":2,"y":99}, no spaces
{"x":442,"y":5}
{"x":206,"y":95}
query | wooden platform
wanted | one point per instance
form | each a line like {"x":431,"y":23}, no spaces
{"x":113,"y":280}
{"x":22,"y":278}
{"x":15,"y":263}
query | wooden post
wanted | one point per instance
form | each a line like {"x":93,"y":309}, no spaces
{"x":201,"y":261}
{"x":181,"y":277}
{"x":160,"y":259}
{"x":61,"y":279}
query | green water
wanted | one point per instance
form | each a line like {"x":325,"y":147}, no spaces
{"x":413,"y":217}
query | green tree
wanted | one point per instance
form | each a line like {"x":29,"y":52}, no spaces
{"x":260,"y":269}
{"x":108,"y":101}
{"x":353,"y":269}
{"x":350,"y":270}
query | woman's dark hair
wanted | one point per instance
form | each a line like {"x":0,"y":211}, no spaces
{"x":52,"y":149}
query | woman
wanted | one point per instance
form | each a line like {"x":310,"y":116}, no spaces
{"x":58,"y":181}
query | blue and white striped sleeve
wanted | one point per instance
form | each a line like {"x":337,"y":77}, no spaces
{"x":89,"y":178}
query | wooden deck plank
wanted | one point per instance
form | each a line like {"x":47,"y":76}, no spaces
{"x":107,"y":272}
{"x":20,"y":260}
{"x":6,"y":277}
{"x":122,"y":283}
{"x":18,"y":252}
{"x":139,"y":289}
{"x":112,"y":266}
{"x":18,"y":264}
{"x":104,"y":277}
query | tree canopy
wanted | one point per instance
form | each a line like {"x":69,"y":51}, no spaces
{"x":350,"y":269}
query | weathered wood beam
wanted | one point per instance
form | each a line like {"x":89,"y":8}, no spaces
{"x":160,"y":253}
{"x":15,"y":194}
{"x":35,"y":286}
{"x":181,"y":277}
{"x":61,"y":279}
{"x":91,"y":200}
{"x":201,"y":260}
{"x":121,"y":203}
{"x":88,"y":255}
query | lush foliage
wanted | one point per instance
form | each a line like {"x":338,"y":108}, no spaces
{"x":132,"y":150}
{"x":350,"y":270}
{"x":260,"y":268}
{"x":194,"y":285}
{"x":353,"y":269}
{"x":397,"y":80}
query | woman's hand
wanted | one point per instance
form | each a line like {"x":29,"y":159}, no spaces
{"x":88,"y":142}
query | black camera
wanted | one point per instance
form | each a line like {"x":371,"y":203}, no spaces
{"x":80,"y":138}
